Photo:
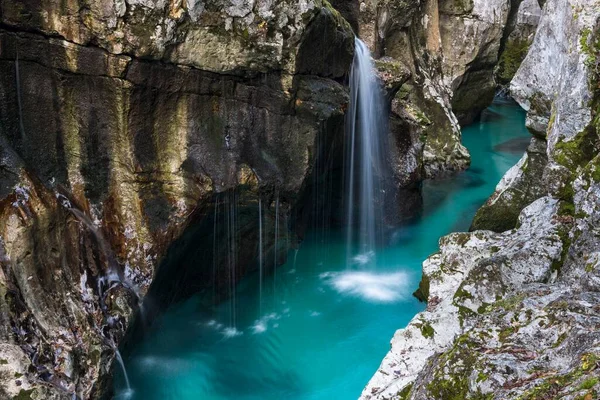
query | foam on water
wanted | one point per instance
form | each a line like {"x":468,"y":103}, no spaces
{"x":262,"y":324}
{"x":124,"y":395}
{"x":231,"y":332}
{"x":364,"y":258}
{"x":369,"y":286}
{"x":259,"y":327}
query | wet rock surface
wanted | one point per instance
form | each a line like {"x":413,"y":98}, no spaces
{"x":121,"y":122}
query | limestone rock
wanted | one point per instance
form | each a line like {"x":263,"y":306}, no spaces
{"x":519,"y":187}
{"x":553,"y":78}
{"x":471,"y":34}
{"x":515,"y":46}
{"x":513,"y":314}
{"x":123,"y":123}
{"x":471,"y":271}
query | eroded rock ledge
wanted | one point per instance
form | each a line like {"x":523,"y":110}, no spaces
{"x":121,"y":121}
{"x":514,"y":314}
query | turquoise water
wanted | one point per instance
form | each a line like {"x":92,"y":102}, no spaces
{"x":322,"y":328}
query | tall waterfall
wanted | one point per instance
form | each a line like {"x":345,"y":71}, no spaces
{"x":365,"y":127}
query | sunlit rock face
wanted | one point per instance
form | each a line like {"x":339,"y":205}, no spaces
{"x":120,"y":122}
{"x":512,"y":314}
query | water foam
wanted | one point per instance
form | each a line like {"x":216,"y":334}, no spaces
{"x":364,"y":258}
{"x":374,"y":287}
{"x":231,"y":332}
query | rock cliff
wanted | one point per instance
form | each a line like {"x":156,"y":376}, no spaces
{"x":514,"y":313}
{"x":452,"y":50}
{"x":124,"y":122}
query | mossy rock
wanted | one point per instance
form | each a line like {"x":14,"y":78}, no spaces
{"x":422,"y":293}
{"x":510,"y":60}
{"x":501,"y":211}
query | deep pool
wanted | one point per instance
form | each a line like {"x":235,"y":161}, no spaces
{"x":323,"y":328}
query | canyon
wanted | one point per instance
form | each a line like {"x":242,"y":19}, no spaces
{"x":130,"y":127}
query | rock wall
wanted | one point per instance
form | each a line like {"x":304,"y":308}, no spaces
{"x":121,"y":120}
{"x":514,"y":314}
{"x":517,"y":39}
{"x":408,"y":34}
{"x":452,"y":50}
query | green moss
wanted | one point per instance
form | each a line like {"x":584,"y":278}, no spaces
{"x":95,"y":357}
{"x":592,"y":170}
{"x":513,"y":55}
{"x":427,"y":330}
{"x":462,"y":294}
{"x":510,"y":303}
{"x":550,"y":387}
{"x":566,"y":208}
{"x":483,"y":308}
{"x":565,"y":238}
{"x":576,"y":152}
{"x":461,"y":238}
{"x":552,"y":120}
{"x":506,"y":333}
{"x":464,"y":313}
{"x":24,"y":394}
{"x":502,"y":215}
{"x":422,"y":293}
{"x":453,"y":371}
{"x":590,"y":46}
{"x":405,"y":392}
{"x":589,"y":267}
{"x":589,"y":383}
{"x":3,"y":362}
{"x":482,"y":377}
{"x":560,"y":339}
{"x":404,"y":91}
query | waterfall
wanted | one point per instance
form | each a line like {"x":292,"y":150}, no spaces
{"x":122,"y":364}
{"x":363,"y":166}
{"x":260,"y":254}
{"x":276,"y":244}
{"x":231,"y":216}
{"x":215,"y":254}
{"x":19,"y":101}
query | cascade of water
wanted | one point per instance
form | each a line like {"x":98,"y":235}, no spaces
{"x":363,"y":151}
{"x":123,"y":370}
{"x":231,"y":216}
{"x":215,"y":249}
{"x":276,"y":241}
{"x":19,"y":101}
{"x":295,"y":258}
{"x":260,"y":254}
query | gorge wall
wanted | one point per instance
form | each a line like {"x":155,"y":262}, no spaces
{"x":120,"y":122}
{"x":512,"y":307}
{"x":458,"y":53}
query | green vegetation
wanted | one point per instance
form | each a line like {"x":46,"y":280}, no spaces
{"x":552,"y":386}
{"x":422,"y":293}
{"x":427,"y":330}
{"x":405,"y":392}
{"x":513,"y":55}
